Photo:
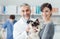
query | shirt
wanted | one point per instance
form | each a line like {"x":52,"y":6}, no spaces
{"x":19,"y":31}
{"x":47,"y":31}
{"x":9,"y":27}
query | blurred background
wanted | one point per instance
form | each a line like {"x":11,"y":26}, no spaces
{"x":8,"y":7}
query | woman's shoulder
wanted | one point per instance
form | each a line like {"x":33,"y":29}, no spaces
{"x":51,"y":23}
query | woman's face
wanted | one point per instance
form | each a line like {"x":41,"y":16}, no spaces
{"x":46,"y":13}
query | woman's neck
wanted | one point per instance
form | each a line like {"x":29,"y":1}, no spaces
{"x":47,"y":20}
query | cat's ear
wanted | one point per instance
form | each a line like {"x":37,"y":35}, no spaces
{"x":29,"y":21}
{"x":37,"y":20}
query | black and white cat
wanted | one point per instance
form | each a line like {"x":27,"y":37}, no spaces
{"x":34,"y":29}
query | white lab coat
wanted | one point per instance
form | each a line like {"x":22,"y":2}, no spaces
{"x":19,"y":31}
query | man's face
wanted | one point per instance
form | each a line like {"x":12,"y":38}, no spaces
{"x":12,"y":20}
{"x":25,"y":10}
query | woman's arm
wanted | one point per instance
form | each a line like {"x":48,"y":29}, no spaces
{"x":48,"y":31}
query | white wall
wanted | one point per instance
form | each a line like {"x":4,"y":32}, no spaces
{"x":55,"y":3}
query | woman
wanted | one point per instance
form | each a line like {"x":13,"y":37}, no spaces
{"x":47,"y":31}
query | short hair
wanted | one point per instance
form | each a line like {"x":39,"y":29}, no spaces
{"x":25,"y":4}
{"x":12,"y":16}
{"x":48,"y":5}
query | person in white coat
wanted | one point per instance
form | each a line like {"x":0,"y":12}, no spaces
{"x":21,"y":27}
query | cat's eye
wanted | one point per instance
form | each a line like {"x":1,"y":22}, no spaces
{"x":37,"y":27}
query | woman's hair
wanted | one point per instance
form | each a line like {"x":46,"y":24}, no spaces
{"x":48,"y":5}
{"x":12,"y":16}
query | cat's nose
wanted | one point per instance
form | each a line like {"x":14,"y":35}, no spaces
{"x":36,"y":30}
